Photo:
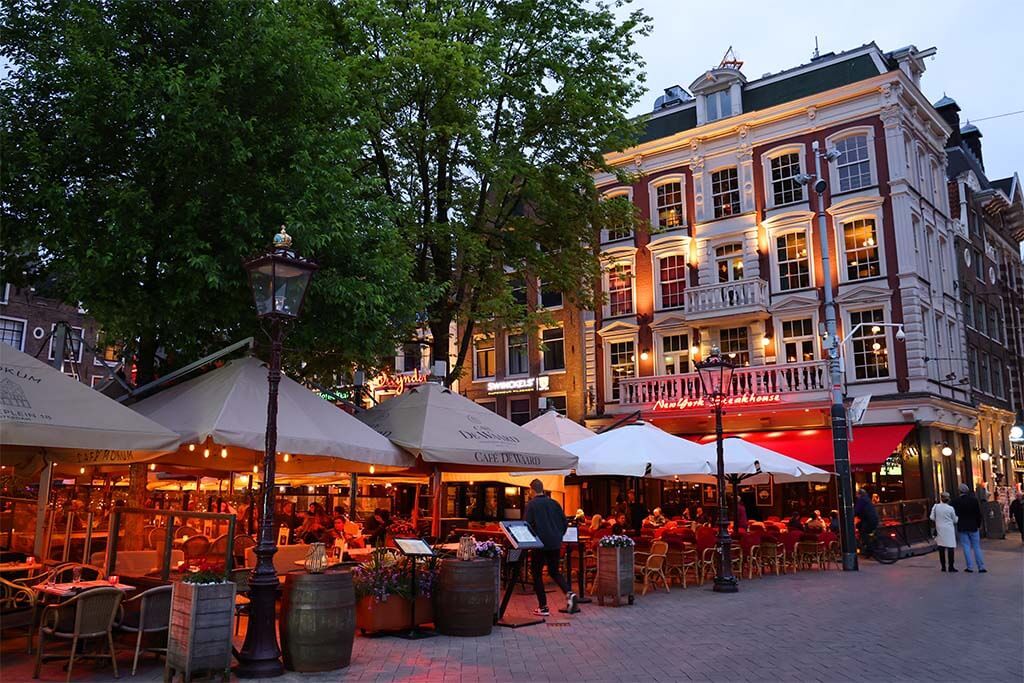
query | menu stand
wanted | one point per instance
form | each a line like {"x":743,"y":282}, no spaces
{"x":522,"y":538}
{"x":571,"y":539}
{"x":414,"y":548}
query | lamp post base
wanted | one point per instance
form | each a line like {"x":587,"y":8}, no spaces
{"x":260,"y":656}
{"x":727,"y":584}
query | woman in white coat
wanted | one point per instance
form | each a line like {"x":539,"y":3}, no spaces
{"x":945,"y":520}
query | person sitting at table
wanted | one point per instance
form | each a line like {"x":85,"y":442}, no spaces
{"x":686,"y":515}
{"x":340,"y":511}
{"x":596,"y":522}
{"x":623,"y":525}
{"x":579,"y":519}
{"x":655,"y":519}
{"x":794,"y":521}
{"x":338,"y":532}
{"x":833,"y":521}
{"x":375,"y":529}
{"x":701,"y":517}
{"x":311,"y":531}
{"x":817,"y":523}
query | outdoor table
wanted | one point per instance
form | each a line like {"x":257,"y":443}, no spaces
{"x":69,"y":590}
{"x":10,"y":567}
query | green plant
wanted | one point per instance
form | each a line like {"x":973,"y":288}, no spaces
{"x":206,"y":573}
{"x":384,"y":575}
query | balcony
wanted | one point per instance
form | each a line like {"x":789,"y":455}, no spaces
{"x":734,"y":298}
{"x":756,"y":387}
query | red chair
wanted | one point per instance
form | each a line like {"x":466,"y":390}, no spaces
{"x":789,"y":541}
{"x":705,"y":540}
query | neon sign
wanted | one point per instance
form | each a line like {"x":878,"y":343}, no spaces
{"x":694,"y":403}
{"x":516,"y":386}
{"x":398,"y":383}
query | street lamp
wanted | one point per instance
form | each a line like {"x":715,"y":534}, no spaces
{"x":716,"y":378}
{"x":279,"y":280}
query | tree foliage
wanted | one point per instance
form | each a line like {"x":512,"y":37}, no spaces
{"x":486,"y":120}
{"x":150,"y":146}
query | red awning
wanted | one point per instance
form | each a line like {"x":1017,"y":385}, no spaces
{"x":871,"y":445}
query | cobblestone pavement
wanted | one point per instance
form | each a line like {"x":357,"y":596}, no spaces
{"x":903,"y":622}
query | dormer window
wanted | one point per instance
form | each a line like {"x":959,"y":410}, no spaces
{"x":719,"y":105}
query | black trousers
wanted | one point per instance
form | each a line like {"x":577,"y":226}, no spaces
{"x":943,"y":553}
{"x":539,"y":558}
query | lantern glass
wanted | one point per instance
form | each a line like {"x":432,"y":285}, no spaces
{"x":715,"y":374}
{"x":279,"y":283}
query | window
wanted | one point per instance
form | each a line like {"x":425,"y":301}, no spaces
{"x":725,"y":192}
{"x":853,"y":164}
{"x":672,"y":280}
{"x":983,"y":372}
{"x":553,"y":357}
{"x":556,"y":403}
{"x":490,"y":405}
{"x":5,"y":292}
{"x":676,"y":352}
{"x":518,"y":287}
{"x":518,"y":355}
{"x":12,"y":332}
{"x":969,"y":310}
{"x":997,"y":376}
{"x":734,"y":343}
{"x":719,"y":105}
{"x":620,"y":290}
{"x":979,"y":265}
{"x":76,"y":343}
{"x":993,"y":322}
{"x":670,"y":205}
{"x":550,"y":297}
{"x":972,"y":362}
{"x":794,"y":265}
{"x":870,"y":347}
{"x":483,"y":358}
{"x":980,"y":317}
{"x":729,"y":262}
{"x":622,"y":363}
{"x":784,"y":169}
{"x":861,"y":241}
{"x":619,"y":216}
{"x":798,"y":340}
{"x":519,"y":410}
{"x":412,"y":357}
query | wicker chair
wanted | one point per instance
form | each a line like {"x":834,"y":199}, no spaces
{"x":773,"y":555}
{"x":94,"y":612}
{"x":218,"y":550}
{"x":64,"y":573}
{"x":242,"y":543}
{"x":653,"y":567}
{"x":147,"y":612}
{"x":195,"y":547}
{"x":750,"y":544}
{"x":155,"y":536}
{"x":183,"y":531}
{"x":18,"y":606}
{"x":680,"y":561}
{"x":811,"y":553}
{"x":240,"y":577}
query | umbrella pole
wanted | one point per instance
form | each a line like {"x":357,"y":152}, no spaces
{"x":435,"y":512}
{"x":416,"y":508}
{"x":43,"y":501}
{"x":353,"y":486}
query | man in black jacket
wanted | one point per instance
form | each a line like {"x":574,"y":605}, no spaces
{"x":968,"y":513}
{"x":546,"y":518}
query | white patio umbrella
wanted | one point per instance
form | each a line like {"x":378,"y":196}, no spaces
{"x":750,"y":463}
{"x":556,"y":428}
{"x":222,"y":416}
{"x":636,"y":450}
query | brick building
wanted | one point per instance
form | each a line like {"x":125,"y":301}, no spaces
{"x":26,"y":323}
{"x":729,"y":256}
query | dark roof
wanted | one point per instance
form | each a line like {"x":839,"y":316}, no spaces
{"x":960,"y":159}
{"x":792,"y":84}
{"x":946,"y":101}
{"x":1005,"y":185}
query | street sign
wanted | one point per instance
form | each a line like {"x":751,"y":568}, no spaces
{"x":859,"y":408}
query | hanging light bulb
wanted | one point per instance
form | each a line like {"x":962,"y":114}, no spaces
{"x":372,"y":469}
{"x":287,"y":457}
{"x":152,"y":467}
{"x":243,"y":480}
{"x":310,"y":489}
{"x":876,"y":346}
{"x":255,"y":469}
{"x":191,"y":446}
{"x":223,"y":452}
{"x":81,"y":470}
{"x":206,"y":452}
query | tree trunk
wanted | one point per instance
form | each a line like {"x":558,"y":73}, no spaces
{"x":145,"y":359}
{"x":134,"y":524}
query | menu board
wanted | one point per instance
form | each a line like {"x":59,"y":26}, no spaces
{"x":520,"y":534}
{"x":414,"y":547}
{"x":572,"y":535}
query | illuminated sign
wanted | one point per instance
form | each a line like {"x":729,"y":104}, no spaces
{"x":517,"y":386}
{"x":694,"y":403}
{"x":398,"y":383}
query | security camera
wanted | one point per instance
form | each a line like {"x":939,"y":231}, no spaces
{"x":820,"y":186}
{"x":803,"y":178}
{"x":901,"y":335}
{"x":832,"y":154}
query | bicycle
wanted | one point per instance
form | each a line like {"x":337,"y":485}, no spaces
{"x":883,"y":545}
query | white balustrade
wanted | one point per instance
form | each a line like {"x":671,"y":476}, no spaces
{"x":726,"y":296}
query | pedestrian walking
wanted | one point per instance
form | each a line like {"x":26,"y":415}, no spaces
{"x":945,"y":520}
{"x":968,"y":513}
{"x":546,"y":518}
{"x":1017,"y":512}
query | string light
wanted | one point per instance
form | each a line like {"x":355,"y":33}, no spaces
{"x":372,"y":469}
{"x":223,"y":452}
{"x":81,"y":471}
{"x":206,"y":452}
{"x":152,"y":467}
{"x":191,"y":446}
{"x":255,"y":469}
{"x":287,"y":457}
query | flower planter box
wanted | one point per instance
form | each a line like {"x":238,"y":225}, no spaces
{"x":614,"y":575}
{"x":199,"y":637}
{"x":394,"y":614}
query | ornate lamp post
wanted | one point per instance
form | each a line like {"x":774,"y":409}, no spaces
{"x":715,"y":378}
{"x":279,"y":280}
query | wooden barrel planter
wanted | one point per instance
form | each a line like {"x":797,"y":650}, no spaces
{"x":318,"y":621}
{"x":465,"y":597}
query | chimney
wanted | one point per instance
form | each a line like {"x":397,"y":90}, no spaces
{"x":972,"y":138}
{"x":949,"y":110}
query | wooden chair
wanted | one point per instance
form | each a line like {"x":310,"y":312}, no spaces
{"x":147,"y":612}
{"x":240,"y":577}
{"x":154,"y":536}
{"x":18,"y":606}
{"x":653,"y":566}
{"x":94,"y":612}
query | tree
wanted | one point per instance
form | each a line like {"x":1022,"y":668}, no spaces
{"x":150,"y":147}
{"x":486,"y":120}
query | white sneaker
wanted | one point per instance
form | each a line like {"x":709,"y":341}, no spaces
{"x":572,"y":605}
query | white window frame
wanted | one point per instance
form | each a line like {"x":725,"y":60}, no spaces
{"x":652,"y":193}
{"x":607,"y":360}
{"x":81,"y":344}
{"x":540,"y":298}
{"x":519,"y":397}
{"x":833,"y":165}
{"x":711,"y":190}
{"x":847,"y":353}
{"x":542,"y":401}
{"x":24,"y":328}
{"x":715,"y":258}
{"x":716,"y":97}
{"x":659,"y":337}
{"x":780,"y":341}
{"x":508,"y":354}
{"x":5,"y":293}
{"x":664,"y":247}
{"x":612,"y":193}
{"x":766,"y":165}
{"x":750,"y":343}
{"x":856,"y":209}
{"x":776,"y":264}
{"x":552,"y":371}
{"x":622,"y":256}
{"x":477,"y":377}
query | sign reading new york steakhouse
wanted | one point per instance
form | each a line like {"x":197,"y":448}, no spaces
{"x":694,"y":403}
